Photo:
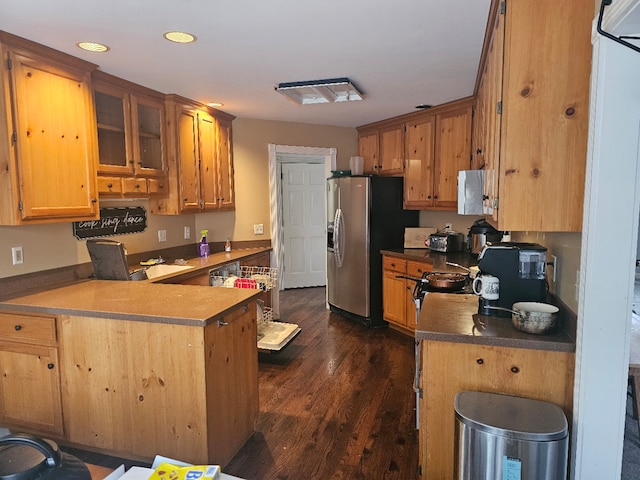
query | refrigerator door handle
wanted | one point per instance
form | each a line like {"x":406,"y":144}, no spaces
{"x":338,"y":237}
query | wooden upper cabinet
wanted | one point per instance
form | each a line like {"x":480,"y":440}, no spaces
{"x":537,"y":171}
{"x":224,"y":157}
{"x":47,"y":166}
{"x":200,"y":159}
{"x":437,"y":147}
{"x":392,"y":150}
{"x":419,"y":163}
{"x":131,"y":128}
{"x":452,"y":154}
{"x":368,"y":150}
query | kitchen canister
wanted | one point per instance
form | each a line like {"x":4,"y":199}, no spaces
{"x":356,"y":164}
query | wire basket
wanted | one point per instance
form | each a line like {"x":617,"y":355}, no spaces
{"x":261,"y":278}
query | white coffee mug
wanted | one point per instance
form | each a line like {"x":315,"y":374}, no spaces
{"x":487,"y":286}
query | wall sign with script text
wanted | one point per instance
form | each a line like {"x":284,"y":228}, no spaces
{"x":113,"y":221}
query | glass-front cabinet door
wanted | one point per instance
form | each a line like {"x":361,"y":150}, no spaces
{"x":130,"y":128}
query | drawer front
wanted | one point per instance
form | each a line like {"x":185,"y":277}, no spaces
{"x":416,"y":269}
{"x":28,"y":328}
{"x":158,"y":186}
{"x":394,"y":264}
{"x":134,"y":186}
{"x":109,"y":185}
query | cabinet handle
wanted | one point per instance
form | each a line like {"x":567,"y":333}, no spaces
{"x":222,"y":323}
{"x":131,"y":162}
{"x":245,"y":309}
{"x":94,"y":200}
{"x":515,"y":369}
{"x":485,"y":197}
{"x":109,"y":186}
{"x":160,"y":186}
{"x":435,"y":197}
{"x":480,"y":361}
{"x":137,"y":185}
{"x":479,"y":151}
{"x":18,"y":327}
{"x":50,"y":366}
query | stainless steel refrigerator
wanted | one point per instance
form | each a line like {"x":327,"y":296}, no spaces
{"x":364,"y":216}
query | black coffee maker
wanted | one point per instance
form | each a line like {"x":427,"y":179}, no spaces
{"x":522,"y":271}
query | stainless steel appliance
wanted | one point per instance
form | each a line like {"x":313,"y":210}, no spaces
{"x":446,"y":242}
{"x":481,"y":233}
{"x":521,"y":269}
{"x":364,"y":216}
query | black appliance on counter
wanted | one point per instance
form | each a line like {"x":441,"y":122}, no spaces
{"x":26,"y":457}
{"x":521,"y":269}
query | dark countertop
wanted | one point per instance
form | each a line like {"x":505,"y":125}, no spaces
{"x":454,"y":318}
{"x":156,"y":300}
{"x":437,"y":259}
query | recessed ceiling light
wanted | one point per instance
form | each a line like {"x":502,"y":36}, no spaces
{"x":215,"y":104}
{"x":180,"y":37}
{"x":93,"y":46}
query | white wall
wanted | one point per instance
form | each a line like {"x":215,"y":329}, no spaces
{"x":607,"y":269}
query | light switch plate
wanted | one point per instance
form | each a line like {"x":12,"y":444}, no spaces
{"x":162,"y":235}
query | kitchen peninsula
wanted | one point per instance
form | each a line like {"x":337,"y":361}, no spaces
{"x":461,"y":350}
{"x":135,"y":369}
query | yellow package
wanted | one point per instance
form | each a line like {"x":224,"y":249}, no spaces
{"x":167,"y":471}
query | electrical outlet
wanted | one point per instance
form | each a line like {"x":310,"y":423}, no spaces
{"x":258,"y":229}
{"x":447,"y":227}
{"x":162,"y":235}
{"x":187,"y":233}
{"x":16,"y":255}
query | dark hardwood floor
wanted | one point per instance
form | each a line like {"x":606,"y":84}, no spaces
{"x":337,"y":403}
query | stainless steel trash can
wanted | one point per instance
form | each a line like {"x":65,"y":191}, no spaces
{"x":501,"y":437}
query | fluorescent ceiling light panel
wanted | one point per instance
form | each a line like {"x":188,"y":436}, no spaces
{"x":320,"y":91}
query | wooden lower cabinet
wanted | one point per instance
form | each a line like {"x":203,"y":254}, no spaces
{"x":137,"y":389}
{"x":449,"y":368}
{"x":397,"y":303}
{"x":29,"y":374}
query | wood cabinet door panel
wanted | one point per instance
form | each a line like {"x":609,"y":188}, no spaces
{"x":419,"y":163}
{"x":188,"y":161}
{"x":208,"y":172}
{"x":232,"y":366}
{"x":145,"y":396}
{"x":394,"y":290}
{"x":30,"y":387}
{"x":368,"y":150}
{"x":224,"y":160}
{"x":452,"y":154}
{"x":449,"y":368}
{"x":56,"y":140}
{"x":148,"y":120}
{"x":392,"y":150}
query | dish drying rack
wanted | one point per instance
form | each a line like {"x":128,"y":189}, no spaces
{"x":273,"y":335}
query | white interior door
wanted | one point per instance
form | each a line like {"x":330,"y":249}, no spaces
{"x":304,"y":225}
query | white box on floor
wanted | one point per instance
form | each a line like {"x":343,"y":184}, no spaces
{"x":143,"y":473}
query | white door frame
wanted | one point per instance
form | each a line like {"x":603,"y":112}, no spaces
{"x":607,"y":271}
{"x":275,"y":200}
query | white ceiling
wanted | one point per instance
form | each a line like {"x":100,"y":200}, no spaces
{"x":400,"y":53}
